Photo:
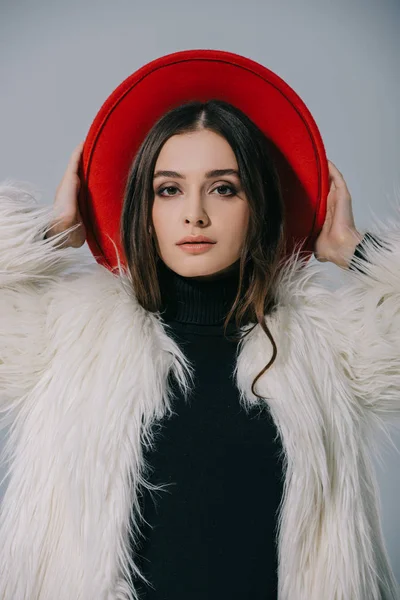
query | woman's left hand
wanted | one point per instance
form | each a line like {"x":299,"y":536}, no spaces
{"x":339,"y":237}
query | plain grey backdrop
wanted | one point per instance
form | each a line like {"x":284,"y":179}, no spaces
{"x":60,"y":61}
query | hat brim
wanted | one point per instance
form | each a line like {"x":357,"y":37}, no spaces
{"x":131,"y":110}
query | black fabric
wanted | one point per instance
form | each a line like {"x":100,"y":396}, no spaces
{"x":211,"y":532}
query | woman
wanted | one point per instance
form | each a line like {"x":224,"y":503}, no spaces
{"x":151,"y":409}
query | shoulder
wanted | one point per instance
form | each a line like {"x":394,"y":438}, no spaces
{"x":304,"y":293}
{"x":98,"y":334}
{"x":303,"y":322}
{"x":90,"y":303}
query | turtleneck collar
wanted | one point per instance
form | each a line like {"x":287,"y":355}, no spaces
{"x":197,"y":301}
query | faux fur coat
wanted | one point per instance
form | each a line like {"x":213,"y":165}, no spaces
{"x":83,"y":374}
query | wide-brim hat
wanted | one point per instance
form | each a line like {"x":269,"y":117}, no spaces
{"x":130,"y":111}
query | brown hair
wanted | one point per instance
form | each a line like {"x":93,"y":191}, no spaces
{"x":264,"y":244}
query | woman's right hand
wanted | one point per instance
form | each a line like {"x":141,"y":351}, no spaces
{"x":66,"y":205}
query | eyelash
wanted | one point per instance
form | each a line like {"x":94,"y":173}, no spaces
{"x":225,"y":185}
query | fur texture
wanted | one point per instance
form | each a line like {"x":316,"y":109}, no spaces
{"x":83,"y":375}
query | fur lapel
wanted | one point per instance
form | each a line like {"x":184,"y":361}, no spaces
{"x":77,"y":456}
{"x":330,"y":537}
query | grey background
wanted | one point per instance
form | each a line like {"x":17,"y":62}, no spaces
{"x":60,"y":61}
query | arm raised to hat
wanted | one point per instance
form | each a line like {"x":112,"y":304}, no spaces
{"x":29,"y":262}
{"x":368,"y":303}
{"x":369,"y":320}
{"x":66,"y":208}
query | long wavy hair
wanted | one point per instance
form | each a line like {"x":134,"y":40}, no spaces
{"x":264,"y":245}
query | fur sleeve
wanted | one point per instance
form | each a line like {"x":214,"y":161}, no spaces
{"x":368,"y":321}
{"x":28,"y":265}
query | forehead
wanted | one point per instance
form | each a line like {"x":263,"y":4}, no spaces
{"x":196,"y":151}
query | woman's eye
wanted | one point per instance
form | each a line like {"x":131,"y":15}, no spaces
{"x":167,"y":187}
{"x":223,"y":187}
{"x":229,"y":187}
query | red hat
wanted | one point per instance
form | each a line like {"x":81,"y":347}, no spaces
{"x":141,"y":99}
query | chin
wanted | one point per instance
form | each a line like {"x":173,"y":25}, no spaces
{"x":198,"y":266}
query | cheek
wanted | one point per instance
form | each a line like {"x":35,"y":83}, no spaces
{"x":236,"y":225}
{"x":162,"y":222}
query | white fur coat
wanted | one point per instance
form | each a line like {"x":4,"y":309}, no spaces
{"x":83,"y":373}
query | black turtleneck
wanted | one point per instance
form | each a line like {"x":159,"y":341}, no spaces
{"x":210,"y":532}
{"x":195,"y":300}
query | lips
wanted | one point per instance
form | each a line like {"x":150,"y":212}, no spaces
{"x":195,"y":239}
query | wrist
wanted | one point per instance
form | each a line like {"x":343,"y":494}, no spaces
{"x":347,"y":248}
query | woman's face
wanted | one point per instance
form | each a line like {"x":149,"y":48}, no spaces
{"x":192,"y":202}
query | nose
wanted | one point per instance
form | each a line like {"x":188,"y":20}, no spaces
{"x":194,"y":212}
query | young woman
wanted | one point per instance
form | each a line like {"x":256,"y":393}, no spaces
{"x":200,"y":425}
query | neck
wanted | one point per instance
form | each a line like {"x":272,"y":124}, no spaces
{"x":197,"y":300}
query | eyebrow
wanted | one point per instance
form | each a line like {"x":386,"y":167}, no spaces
{"x":209,"y":174}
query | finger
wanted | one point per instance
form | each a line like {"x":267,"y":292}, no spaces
{"x":73,"y":163}
{"x":331,"y":177}
{"x":336,"y":175}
